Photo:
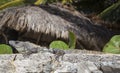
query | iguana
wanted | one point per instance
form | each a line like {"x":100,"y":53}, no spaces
{"x":10,"y":3}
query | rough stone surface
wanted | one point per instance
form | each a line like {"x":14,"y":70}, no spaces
{"x":47,"y":61}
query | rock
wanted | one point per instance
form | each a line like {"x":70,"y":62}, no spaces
{"x":107,"y":69}
{"x":45,"y":61}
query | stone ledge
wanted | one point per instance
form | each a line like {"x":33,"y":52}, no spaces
{"x":36,"y":59}
{"x":68,"y":63}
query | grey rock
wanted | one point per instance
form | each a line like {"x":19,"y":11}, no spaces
{"x":107,"y":69}
{"x":46,"y":61}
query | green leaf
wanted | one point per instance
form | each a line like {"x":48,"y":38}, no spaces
{"x":72,"y":40}
{"x":113,"y":46}
{"x":59,"y":45}
{"x":108,"y":11}
{"x":62,"y":45}
{"x":38,"y":2}
{"x":11,"y":4}
{"x":5,"y":49}
{"x":4,"y":1}
{"x":66,"y":1}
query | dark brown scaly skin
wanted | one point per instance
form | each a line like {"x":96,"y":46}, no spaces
{"x":89,"y":36}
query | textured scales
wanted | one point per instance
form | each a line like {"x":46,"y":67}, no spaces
{"x":54,"y":22}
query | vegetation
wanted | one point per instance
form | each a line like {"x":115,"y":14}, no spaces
{"x":113,"y":46}
{"x":72,"y":40}
{"x":5,"y":49}
{"x":62,"y":45}
{"x":109,"y":9}
{"x":59,"y":45}
{"x":10,"y":3}
{"x":38,"y":2}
